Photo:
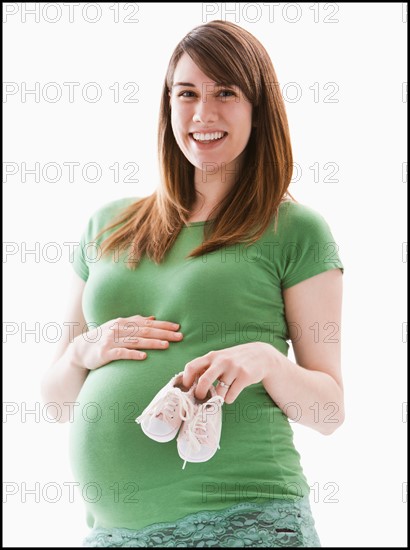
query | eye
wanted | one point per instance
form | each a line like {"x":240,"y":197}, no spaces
{"x":182,"y":94}
{"x":227,"y":92}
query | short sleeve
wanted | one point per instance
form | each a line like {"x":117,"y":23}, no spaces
{"x":78,"y":259}
{"x":83,"y":255}
{"x":308,"y":246}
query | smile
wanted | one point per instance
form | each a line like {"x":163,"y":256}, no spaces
{"x":208,"y":138}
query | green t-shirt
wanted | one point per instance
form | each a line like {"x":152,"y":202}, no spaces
{"x":229,"y":297}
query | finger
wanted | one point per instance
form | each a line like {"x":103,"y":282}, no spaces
{"x":233,"y":392}
{"x":167,"y":325}
{"x":116,"y":354}
{"x":223,"y":390}
{"x":140,"y":320}
{"x":137,"y":331}
{"x":150,"y":332}
{"x":135,"y":342}
{"x":194,"y":368}
{"x":207,"y":379}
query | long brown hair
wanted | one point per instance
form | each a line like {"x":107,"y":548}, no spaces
{"x":228,"y":54}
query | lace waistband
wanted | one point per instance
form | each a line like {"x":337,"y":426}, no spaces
{"x":275,"y":523}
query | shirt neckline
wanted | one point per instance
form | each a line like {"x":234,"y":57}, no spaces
{"x":197,"y":223}
{"x":190,"y":224}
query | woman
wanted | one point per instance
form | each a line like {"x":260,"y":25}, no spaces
{"x":224,"y":251}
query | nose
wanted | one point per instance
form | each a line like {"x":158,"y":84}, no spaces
{"x":205,"y":111}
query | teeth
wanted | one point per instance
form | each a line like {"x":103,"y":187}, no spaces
{"x":208,"y":137}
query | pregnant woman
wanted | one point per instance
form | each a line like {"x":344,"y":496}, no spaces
{"x":208,"y":278}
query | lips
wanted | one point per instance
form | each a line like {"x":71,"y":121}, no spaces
{"x":208,"y":142}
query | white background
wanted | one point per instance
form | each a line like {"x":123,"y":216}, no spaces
{"x":357,"y":475}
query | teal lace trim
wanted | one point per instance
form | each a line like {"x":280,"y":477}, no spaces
{"x":274,"y":524}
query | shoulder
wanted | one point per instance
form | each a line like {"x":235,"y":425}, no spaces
{"x":110,"y":210}
{"x":298,"y":211}
{"x":105,"y":214}
{"x":309,"y":247}
{"x":113,"y":208}
{"x":298,"y":217}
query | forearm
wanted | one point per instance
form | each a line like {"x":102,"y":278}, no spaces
{"x":62,"y":383}
{"x":312,"y":398}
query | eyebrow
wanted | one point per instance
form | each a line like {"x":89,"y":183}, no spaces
{"x":193,"y":85}
{"x":183,"y":84}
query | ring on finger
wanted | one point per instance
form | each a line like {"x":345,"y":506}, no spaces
{"x":223,"y":385}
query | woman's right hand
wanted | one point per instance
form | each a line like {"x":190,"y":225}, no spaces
{"x":122,"y":338}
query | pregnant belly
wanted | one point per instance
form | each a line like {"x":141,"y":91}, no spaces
{"x":122,"y":473}
{"x":112,"y":460}
{"x":110,"y":400}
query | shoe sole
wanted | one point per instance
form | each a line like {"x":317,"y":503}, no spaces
{"x":159,"y":438}
{"x":196,"y":460}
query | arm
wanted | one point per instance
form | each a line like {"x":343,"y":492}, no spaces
{"x":314,"y":385}
{"x":64,"y":379}
{"x":310,"y":391}
{"x":75,"y":356}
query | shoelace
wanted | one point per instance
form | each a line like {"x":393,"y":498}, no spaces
{"x":198,"y":429}
{"x":173,"y":400}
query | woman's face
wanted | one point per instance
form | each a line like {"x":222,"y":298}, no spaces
{"x":211,"y":123}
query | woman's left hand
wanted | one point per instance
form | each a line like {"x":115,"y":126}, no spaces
{"x":236,"y":367}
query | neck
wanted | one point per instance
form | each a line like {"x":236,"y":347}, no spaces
{"x":213,"y":184}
